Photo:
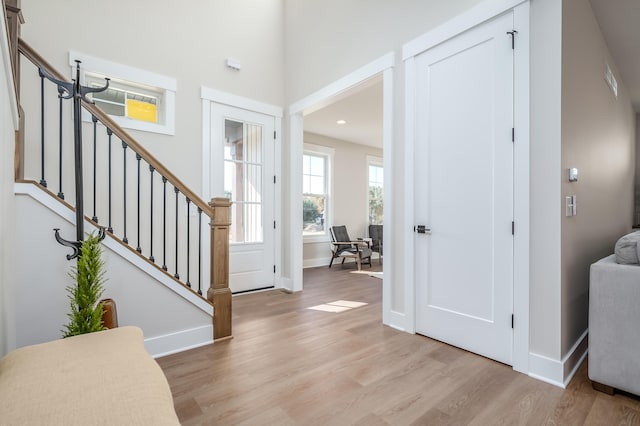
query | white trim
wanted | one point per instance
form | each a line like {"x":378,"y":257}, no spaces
{"x":521,"y":359}
{"x":461,"y":23}
{"x":397,"y":320}
{"x":328,"y":94}
{"x":520,"y":356}
{"x":408,"y":236}
{"x":559,"y":372}
{"x":277,"y":202}
{"x":546,"y":369}
{"x":236,"y":101}
{"x":388,"y":199}
{"x":125,"y":72}
{"x":314,"y":263}
{"x":69,"y":215}
{"x":574,"y":358}
{"x":167,"y":84}
{"x":296,"y":243}
{"x":328,"y":153}
{"x":8,"y":72}
{"x":179,"y":341}
{"x":317,"y":100}
{"x":210,"y":96}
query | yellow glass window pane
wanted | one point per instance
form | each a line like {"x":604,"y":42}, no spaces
{"x":142,"y":111}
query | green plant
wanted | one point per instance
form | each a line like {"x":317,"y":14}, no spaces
{"x":84,"y":295}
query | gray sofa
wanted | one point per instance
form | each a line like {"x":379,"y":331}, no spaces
{"x":614,"y":326}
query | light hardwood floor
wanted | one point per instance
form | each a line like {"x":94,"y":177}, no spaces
{"x":289,"y":365}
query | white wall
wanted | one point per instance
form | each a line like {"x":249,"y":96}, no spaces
{"x":598,"y":137}
{"x":41,"y":304}
{"x":189,"y":42}
{"x":7,"y":215}
{"x":350,"y":189}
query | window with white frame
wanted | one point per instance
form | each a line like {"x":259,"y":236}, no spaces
{"x":316,"y":185}
{"x":375,"y":191}
{"x":136,"y":99}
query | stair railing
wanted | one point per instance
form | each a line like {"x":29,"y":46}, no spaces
{"x":165,"y":224}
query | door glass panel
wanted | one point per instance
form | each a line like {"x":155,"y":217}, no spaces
{"x":243,"y":184}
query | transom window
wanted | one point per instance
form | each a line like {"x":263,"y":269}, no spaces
{"x":136,"y":99}
{"x":126,"y":99}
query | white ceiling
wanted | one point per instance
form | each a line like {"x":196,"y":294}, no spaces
{"x":361,"y":107}
{"x":620,"y":25}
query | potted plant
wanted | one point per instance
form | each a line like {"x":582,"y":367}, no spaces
{"x":84,"y":295}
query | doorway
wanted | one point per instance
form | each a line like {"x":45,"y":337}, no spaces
{"x":243,"y":154}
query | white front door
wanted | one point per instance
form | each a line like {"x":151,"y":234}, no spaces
{"x":464,"y":190}
{"x":242,"y":153}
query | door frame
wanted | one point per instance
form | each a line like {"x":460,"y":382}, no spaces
{"x":410,"y":51}
{"x":296,"y":111}
{"x":211,"y":95}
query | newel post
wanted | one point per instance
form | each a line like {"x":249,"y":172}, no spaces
{"x":219,"y":293}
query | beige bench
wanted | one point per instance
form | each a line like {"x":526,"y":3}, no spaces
{"x":104,"y":378}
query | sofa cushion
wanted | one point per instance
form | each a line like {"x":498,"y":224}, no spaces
{"x":627,"y":250}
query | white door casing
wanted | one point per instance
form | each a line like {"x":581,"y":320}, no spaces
{"x":242,"y":160}
{"x":464,"y":190}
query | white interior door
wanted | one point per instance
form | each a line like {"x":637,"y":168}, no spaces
{"x":464,"y":190}
{"x":242,"y":156}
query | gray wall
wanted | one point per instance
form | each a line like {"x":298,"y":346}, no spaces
{"x":598,"y":137}
{"x":349,"y":192}
{"x":544,"y":226}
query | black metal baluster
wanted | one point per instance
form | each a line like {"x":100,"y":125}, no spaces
{"x":177,"y":191}
{"x":138,"y":158}
{"x":124,"y":157}
{"x":60,"y":193}
{"x":199,"y":251}
{"x":43,"y":181}
{"x":188,"y":242}
{"x":95,"y":167}
{"x":151,"y":258}
{"x":109,"y":133}
{"x":164,"y":223}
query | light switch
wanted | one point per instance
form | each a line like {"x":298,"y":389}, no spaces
{"x":571,"y":207}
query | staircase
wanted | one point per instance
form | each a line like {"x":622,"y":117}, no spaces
{"x":152,"y":221}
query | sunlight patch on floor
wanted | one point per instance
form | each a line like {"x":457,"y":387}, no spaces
{"x":337,"y":306}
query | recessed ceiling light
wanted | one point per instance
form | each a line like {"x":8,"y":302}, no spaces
{"x":341,"y":122}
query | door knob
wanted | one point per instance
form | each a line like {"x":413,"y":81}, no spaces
{"x":421,"y":229}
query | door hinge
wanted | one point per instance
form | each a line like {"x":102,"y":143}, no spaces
{"x":513,"y":228}
{"x":513,"y":134}
{"x":274,"y":178}
{"x":274,"y":271}
{"x":274,"y":224}
{"x":274,"y":134}
{"x":512,"y":320}
{"x":513,"y":38}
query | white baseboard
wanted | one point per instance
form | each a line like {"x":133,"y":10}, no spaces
{"x":397,"y":320}
{"x":324,"y":261}
{"x":179,"y":341}
{"x":314,"y":263}
{"x":559,"y":372}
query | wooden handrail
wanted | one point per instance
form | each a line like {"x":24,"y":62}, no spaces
{"x":39,"y":61}
{"x":218,"y":294}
